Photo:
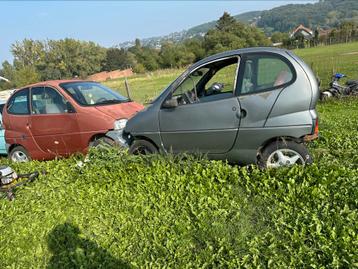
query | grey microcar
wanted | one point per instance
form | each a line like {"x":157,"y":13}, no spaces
{"x":254,"y":105}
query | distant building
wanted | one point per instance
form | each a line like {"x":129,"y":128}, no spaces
{"x":324,"y":32}
{"x":302,"y":31}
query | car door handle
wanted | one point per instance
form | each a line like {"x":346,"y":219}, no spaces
{"x":241,"y":113}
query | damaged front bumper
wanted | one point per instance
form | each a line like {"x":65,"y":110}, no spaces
{"x":119,"y":137}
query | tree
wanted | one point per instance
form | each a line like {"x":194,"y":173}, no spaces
{"x":279,"y":37}
{"x":117,"y":59}
{"x":230,"y":34}
{"x":7,"y":71}
{"x":26,"y":75}
{"x":68,"y":58}
{"x":225,"y":22}
{"x":28,"y":52}
{"x":196,"y":47}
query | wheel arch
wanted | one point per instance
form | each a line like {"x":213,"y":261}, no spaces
{"x":95,"y":137}
{"x":274,"y":139}
{"x":141,"y":137}
{"x":12,"y":146}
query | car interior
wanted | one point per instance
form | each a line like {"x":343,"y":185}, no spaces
{"x":214,"y":81}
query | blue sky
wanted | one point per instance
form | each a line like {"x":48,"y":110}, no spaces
{"x":110,"y":22}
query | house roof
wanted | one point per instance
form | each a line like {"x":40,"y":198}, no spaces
{"x":301,"y":27}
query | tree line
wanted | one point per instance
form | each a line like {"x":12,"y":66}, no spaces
{"x":346,"y":32}
{"x":36,"y":60}
{"x":325,"y":14}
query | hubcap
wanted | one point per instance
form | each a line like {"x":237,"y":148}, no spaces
{"x":19,"y":156}
{"x":284,"y":157}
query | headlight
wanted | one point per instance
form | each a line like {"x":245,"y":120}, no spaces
{"x":120,"y":124}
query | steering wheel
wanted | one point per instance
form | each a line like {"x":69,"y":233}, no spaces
{"x":188,"y":100}
{"x":191,"y":97}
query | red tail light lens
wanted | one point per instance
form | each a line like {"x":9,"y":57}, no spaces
{"x":316,"y":131}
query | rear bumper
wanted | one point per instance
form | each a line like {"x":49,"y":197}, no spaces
{"x":118,"y":137}
{"x":311,"y":137}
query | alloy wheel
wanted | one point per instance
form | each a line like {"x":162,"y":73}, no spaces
{"x":284,"y":157}
{"x":19,"y":156}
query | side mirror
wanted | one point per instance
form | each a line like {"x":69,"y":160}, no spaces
{"x":70,"y":108}
{"x":170,"y":103}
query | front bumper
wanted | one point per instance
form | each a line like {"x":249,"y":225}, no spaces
{"x":118,"y":137}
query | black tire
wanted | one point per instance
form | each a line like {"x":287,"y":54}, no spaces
{"x":142,"y":147}
{"x":103,"y":141}
{"x":271,"y":157}
{"x":19,"y":154}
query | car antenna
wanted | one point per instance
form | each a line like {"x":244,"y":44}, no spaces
{"x":127,"y":89}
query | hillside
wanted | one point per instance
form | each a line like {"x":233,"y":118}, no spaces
{"x":325,"y":14}
{"x":196,"y":31}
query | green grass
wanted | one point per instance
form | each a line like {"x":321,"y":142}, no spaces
{"x":323,"y":60}
{"x":121,"y":211}
{"x":144,"y":87}
{"x":327,"y":60}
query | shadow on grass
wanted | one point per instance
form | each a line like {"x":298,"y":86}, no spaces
{"x":70,"y":250}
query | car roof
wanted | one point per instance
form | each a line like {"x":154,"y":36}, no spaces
{"x":237,"y":52}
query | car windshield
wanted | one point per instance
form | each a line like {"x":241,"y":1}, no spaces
{"x":92,"y":93}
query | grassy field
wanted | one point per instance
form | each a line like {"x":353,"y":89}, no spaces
{"x":123,"y":211}
{"x":323,"y":60}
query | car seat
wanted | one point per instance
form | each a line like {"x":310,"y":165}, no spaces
{"x":282,"y":78}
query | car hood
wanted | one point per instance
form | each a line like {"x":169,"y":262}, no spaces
{"x":120,"y":111}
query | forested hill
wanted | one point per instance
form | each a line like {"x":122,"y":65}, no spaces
{"x":326,"y":14}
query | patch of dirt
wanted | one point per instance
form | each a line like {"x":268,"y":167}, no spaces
{"x":350,"y":53}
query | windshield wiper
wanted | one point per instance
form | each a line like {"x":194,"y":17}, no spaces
{"x":111,"y":101}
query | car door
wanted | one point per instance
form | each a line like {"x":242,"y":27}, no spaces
{"x":18,"y":116}
{"x":262,"y":78}
{"x":206,"y":120}
{"x":50,"y":124}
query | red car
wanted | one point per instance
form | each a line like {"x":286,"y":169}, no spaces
{"x":58,"y":118}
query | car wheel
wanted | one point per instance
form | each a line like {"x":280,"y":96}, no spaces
{"x":284,"y":153}
{"x":19,"y":154}
{"x":142,"y":147}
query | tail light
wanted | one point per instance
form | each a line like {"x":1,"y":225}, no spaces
{"x":314,"y":135}
{"x":316,"y":131}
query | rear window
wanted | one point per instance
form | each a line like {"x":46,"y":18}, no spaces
{"x":19,"y":103}
{"x":262,"y":72}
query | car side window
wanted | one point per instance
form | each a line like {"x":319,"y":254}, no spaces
{"x":45,"y":100}
{"x":187,"y":90}
{"x":214,"y":81}
{"x":223,"y":78}
{"x":19,"y":103}
{"x":264,"y":72}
